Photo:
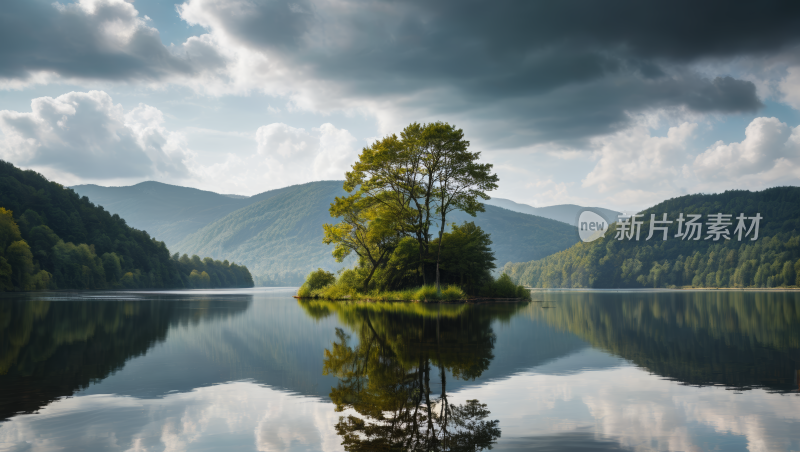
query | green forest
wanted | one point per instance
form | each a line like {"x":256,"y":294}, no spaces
{"x":772,"y":260}
{"x":50,"y":238}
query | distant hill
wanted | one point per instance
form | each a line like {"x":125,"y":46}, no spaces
{"x":168,"y":212}
{"x":566,"y":213}
{"x":278,"y":233}
{"x":773,"y":260}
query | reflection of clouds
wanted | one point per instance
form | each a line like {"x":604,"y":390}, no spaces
{"x":639,"y":411}
{"x":768,"y":422}
{"x":240,"y":415}
{"x":624,"y":406}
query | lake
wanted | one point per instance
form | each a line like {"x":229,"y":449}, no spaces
{"x":256,"y":370}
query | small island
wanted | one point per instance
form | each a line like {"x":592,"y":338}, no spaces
{"x":394,"y":220}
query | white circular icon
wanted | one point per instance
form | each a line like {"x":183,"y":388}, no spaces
{"x":591,"y":226}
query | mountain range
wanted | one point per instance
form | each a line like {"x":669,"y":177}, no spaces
{"x":278,"y":234}
{"x":566,"y":213}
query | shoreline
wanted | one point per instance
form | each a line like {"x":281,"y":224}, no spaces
{"x":675,"y":289}
{"x":462,"y":301}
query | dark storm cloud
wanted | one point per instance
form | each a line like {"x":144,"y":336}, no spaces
{"x":557,"y":70}
{"x":66,"y":39}
{"x":564,"y":70}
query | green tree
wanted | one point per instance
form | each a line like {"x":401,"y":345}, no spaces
{"x":19,"y":256}
{"x":9,"y":231}
{"x":459,"y":181}
{"x":362,"y":230}
{"x":319,"y":279}
{"x":466,"y":256}
{"x":417,"y":180}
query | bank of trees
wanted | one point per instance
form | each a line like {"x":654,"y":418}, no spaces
{"x":773,"y":260}
{"x":394,"y":218}
{"x":209,"y":273}
{"x":52,"y":238}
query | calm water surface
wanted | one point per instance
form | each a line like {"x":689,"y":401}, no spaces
{"x":258,"y":370}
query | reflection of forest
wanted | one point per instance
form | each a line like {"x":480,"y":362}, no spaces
{"x":51,"y":348}
{"x":736,"y":339}
{"x":385,"y":376}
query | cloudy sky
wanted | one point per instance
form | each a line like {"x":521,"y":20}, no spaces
{"x":615,"y":104}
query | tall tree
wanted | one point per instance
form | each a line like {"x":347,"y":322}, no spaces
{"x":390,"y":173}
{"x":419,"y":178}
{"x":459,"y":181}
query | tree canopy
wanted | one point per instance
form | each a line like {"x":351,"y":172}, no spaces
{"x":405,"y":187}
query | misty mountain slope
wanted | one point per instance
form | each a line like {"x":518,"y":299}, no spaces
{"x":282,"y":234}
{"x":566,"y":213}
{"x":279,"y":234}
{"x":515,"y":234}
{"x":168,"y":212}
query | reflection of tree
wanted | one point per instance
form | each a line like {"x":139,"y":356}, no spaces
{"x":737,"y":339}
{"x":386,"y":377}
{"x":50,"y":349}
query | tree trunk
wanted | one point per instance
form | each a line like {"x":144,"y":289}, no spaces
{"x":438,"y":255}
{"x":421,"y":268}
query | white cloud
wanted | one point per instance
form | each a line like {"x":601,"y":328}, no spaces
{"x":768,"y":156}
{"x":87,"y":136}
{"x":790,"y":87}
{"x":284,"y":156}
{"x":636,"y":168}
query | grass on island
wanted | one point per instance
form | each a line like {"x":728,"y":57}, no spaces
{"x":324,"y":285}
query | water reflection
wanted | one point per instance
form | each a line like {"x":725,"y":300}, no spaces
{"x":52,"y":346}
{"x":386,"y":376}
{"x":249,"y":370}
{"x":737,"y":339}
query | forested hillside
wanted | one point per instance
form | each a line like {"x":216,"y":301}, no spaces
{"x":280,"y":238}
{"x":773,"y":260}
{"x":52,"y":238}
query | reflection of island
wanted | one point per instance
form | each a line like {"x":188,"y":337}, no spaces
{"x":52,"y":348}
{"x":737,"y":339}
{"x":386,"y":376}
